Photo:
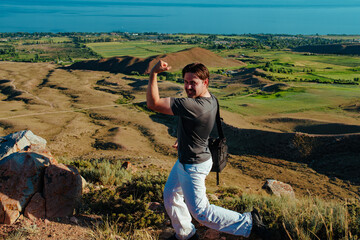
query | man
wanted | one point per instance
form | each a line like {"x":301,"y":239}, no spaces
{"x":185,"y":191}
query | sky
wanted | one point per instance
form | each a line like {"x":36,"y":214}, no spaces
{"x":182,"y":16}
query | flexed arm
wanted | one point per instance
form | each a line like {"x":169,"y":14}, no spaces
{"x":153,"y":100}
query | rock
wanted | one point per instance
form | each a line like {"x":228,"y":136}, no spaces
{"x":9,"y":209}
{"x":128,"y":166}
{"x":21,"y":176}
{"x":74,"y":220}
{"x":62,"y":189}
{"x":20,"y":141}
{"x":155,"y":206}
{"x":278,"y":188}
{"x":36,"y":208}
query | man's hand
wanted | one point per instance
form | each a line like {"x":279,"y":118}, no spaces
{"x":175,"y":145}
{"x":161,"y":66}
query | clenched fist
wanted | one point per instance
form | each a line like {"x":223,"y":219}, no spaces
{"x":161,"y":66}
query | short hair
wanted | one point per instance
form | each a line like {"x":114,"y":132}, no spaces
{"x":199,"y":69}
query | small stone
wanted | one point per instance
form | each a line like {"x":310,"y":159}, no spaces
{"x":126,"y":165}
{"x":154,"y":206}
{"x":74,"y":220}
{"x":278,"y":188}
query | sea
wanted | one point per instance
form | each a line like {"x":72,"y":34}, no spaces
{"x":186,"y":16}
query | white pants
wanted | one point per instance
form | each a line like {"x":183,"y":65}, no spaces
{"x":187,"y":182}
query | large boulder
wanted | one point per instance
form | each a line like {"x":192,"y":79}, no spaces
{"x":21,"y":175}
{"x":32,"y":182}
{"x":62,"y":190}
{"x":23,"y":158}
{"x":20,"y":141}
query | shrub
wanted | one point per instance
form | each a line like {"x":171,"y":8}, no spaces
{"x":102,"y":171}
{"x":127,"y":205}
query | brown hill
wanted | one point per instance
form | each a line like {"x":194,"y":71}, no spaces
{"x":177,"y":61}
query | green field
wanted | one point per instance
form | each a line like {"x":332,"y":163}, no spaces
{"x":291,"y":66}
{"x":302,"y":97}
{"x":341,"y":37}
{"x":140,"y":49}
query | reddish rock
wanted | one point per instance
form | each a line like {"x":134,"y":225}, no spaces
{"x":36,"y":207}
{"x":155,"y":206}
{"x":62,"y":189}
{"x":9,"y":209}
{"x":21,"y":176}
{"x":128,"y":166}
{"x":278,"y":188}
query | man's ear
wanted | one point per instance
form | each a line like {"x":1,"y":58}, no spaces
{"x":206,"y":82}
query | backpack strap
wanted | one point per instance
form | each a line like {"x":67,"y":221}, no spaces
{"x":220,"y":132}
{"x":218,"y":120}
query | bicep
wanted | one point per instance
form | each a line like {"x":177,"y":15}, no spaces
{"x":163,"y":106}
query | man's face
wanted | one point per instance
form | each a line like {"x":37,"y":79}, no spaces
{"x":194,"y":86}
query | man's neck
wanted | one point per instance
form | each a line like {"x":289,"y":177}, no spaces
{"x":206,"y":94}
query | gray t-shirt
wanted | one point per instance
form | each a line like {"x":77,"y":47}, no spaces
{"x":196,"y":120}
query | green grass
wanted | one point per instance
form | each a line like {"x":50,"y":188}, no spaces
{"x":299,"y":66}
{"x":299,"y":59}
{"x":303,"y":97}
{"x":140,"y":49}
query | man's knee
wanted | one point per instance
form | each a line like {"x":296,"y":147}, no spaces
{"x":200,"y":214}
{"x":170,"y":197}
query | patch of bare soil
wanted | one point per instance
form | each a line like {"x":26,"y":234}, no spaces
{"x":79,"y":227}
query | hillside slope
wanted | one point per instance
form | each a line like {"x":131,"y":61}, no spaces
{"x":177,"y":61}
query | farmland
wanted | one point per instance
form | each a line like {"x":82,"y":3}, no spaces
{"x":140,"y":49}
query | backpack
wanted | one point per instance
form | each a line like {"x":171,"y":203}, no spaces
{"x":218,"y":147}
